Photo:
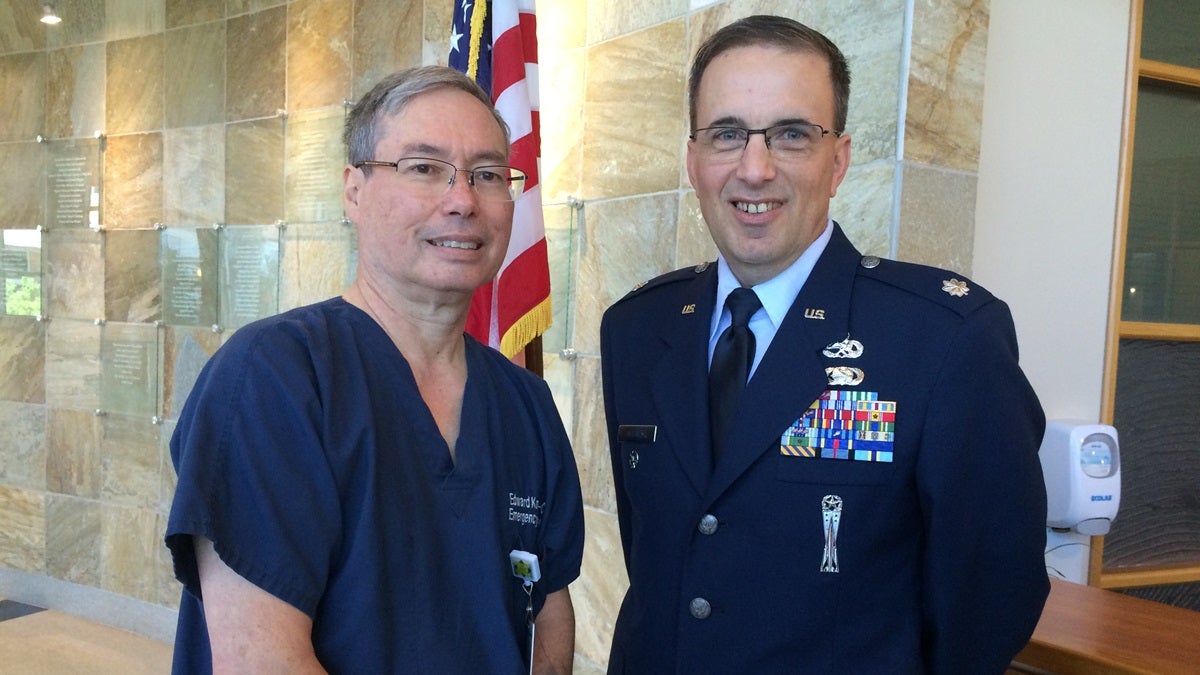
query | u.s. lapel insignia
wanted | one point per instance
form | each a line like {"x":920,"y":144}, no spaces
{"x":955,"y":287}
{"x":844,"y":376}
{"x":846,"y":349}
{"x":810,"y":313}
{"x":689,"y":309}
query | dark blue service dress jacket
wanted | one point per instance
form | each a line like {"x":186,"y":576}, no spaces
{"x":880,"y":506}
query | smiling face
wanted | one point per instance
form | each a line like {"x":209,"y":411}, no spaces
{"x":763,"y":212}
{"x":431,"y":243}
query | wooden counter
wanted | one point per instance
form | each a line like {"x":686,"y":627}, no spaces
{"x":1092,"y":631}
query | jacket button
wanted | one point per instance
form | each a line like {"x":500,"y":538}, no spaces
{"x":700,"y":608}
{"x":708,"y":524}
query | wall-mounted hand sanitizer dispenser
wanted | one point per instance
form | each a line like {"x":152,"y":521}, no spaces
{"x":1082,"y":467}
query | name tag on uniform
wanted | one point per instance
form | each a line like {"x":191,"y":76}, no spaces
{"x":637,"y":433}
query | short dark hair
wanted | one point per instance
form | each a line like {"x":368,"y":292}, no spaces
{"x":783,"y":33}
{"x":396,"y":91}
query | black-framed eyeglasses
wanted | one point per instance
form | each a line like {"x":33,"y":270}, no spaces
{"x":435,"y":177}
{"x":785,"y":141}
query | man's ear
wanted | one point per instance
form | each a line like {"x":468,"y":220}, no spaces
{"x":352,"y":179}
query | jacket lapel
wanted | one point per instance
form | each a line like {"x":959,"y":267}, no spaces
{"x":679,"y":388}
{"x":792,"y":373}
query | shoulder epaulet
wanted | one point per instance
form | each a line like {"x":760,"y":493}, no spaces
{"x":681,"y":274}
{"x":949,"y":289}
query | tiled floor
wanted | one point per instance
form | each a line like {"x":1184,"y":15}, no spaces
{"x":34,"y":641}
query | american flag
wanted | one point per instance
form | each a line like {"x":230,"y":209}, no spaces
{"x":495,"y":43}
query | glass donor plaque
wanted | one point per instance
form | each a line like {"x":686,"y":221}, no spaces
{"x":21,"y":269}
{"x":129,"y":369}
{"x":189,"y":275}
{"x":73,"y":183}
{"x":249,"y":274}
{"x":313,"y":163}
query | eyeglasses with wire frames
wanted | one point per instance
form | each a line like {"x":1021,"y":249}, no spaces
{"x":435,"y":177}
{"x":785,"y":141}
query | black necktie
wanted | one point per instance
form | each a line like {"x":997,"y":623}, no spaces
{"x":732,"y":358}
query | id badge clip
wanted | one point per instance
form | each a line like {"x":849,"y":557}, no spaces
{"x":525,"y":567}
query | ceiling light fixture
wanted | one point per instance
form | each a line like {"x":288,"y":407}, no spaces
{"x":49,"y":17}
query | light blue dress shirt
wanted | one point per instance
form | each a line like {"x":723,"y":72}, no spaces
{"x":777,"y":295}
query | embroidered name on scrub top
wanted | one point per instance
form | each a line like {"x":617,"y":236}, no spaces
{"x":525,"y":510}
{"x":843,"y":424}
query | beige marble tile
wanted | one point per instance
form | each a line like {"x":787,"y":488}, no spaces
{"x":608,"y":20}
{"x":314,"y":158}
{"x":132,"y":289}
{"x":584,"y":666}
{"x":22,"y":359}
{"x":319,"y":35}
{"x":75,"y":95}
{"x":194,"y":176}
{"x":130,"y":462}
{"x":129,"y":549}
{"x":864,"y":207}
{"x":84,"y":22}
{"x":185,"y":351}
{"x":133,"y":190}
{"x":22,"y":529}
{"x":23,"y":461}
{"x":388,"y":36}
{"x":134,"y":18}
{"x":256,"y":62}
{"x":937,"y":218}
{"x":563,"y":79}
{"x":73,"y":364}
{"x":195,"y":75}
{"x":945,"y":96}
{"x":23,"y":184}
{"x":693,"y":243}
{"x":871,"y":36}
{"x":254,"y":172}
{"x":634,"y":111}
{"x":134,"y":85}
{"x":188,"y":12}
{"x":20,"y":30}
{"x":590,"y":436}
{"x":74,"y":274}
{"x":439,"y":17}
{"x":315,"y":263}
{"x":623,"y":242}
{"x":601,"y":586}
{"x":73,"y":462}
{"x":73,"y":539}
{"x":23,"y":81}
{"x":236,"y":7}
{"x":561,"y":27}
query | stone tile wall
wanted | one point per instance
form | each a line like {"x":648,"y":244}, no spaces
{"x":200,"y":101}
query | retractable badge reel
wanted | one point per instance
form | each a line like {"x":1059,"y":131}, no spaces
{"x":525,"y":567}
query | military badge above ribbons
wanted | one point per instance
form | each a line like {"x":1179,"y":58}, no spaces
{"x":843,"y":424}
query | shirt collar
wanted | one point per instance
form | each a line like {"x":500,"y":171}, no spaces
{"x":777,"y":293}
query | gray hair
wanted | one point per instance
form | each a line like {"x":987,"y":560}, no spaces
{"x":393,"y":93}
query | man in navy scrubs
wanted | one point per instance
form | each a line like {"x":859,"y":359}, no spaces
{"x":363,"y":488}
{"x":870,"y":500}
